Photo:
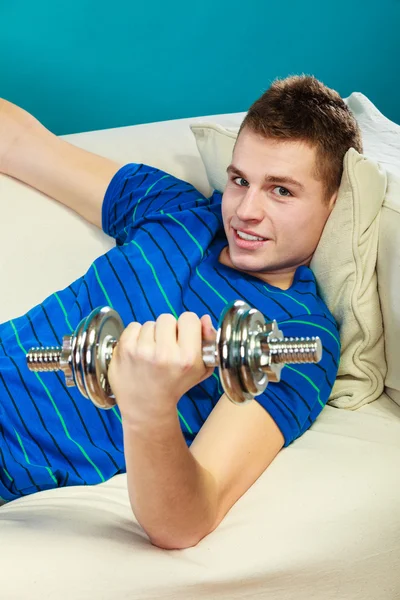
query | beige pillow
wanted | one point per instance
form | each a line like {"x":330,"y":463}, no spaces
{"x":215,"y":144}
{"x":388,"y":268}
{"x":344,"y":264}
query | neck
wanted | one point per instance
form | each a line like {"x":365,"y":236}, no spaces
{"x":282,"y":280}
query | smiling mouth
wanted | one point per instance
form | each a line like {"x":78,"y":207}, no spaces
{"x":248,"y":242}
{"x":245,"y":236}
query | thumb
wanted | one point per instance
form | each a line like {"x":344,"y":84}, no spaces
{"x":208,"y":334}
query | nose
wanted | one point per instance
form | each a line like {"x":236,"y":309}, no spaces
{"x":251,"y":206}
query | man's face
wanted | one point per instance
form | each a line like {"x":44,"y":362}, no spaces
{"x":272,"y":193}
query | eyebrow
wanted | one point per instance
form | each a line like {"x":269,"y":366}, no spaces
{"x":269,"y":178}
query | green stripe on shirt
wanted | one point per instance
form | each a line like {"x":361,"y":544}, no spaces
{"x":56,"y":409}
{"x":310,"y":381}
{"x":147,"y":191}
{"x":27,"y":458}
{"x":157,"y":280}
{"x":282,"y":293}
{"x":313,"y":325}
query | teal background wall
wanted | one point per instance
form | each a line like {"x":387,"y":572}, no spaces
{"x":93,"y":64}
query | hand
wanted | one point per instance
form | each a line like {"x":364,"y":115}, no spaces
{"x":154,"y":364}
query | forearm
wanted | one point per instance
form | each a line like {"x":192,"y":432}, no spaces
{"x":31,"y":153}
{"x":172,"y":496}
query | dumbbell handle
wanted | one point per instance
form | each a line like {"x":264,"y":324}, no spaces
{"x":248,"y":351}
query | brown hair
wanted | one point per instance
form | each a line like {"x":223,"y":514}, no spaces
{"x":302,"y":108}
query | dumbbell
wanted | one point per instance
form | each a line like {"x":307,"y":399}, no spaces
{"x":248,"y":350}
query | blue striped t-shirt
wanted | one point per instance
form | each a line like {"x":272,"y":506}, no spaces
{"x":168,"y":241}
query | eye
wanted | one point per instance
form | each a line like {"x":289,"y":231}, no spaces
{"x":286,"y":192}
{"x":240,"y":179}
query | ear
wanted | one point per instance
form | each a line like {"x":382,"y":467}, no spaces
{"x":332,"y":200}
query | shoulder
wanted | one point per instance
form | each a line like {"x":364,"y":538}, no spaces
{"x":303,"y":297}
{"x":311,"y":316}
{"x":307,"y":315}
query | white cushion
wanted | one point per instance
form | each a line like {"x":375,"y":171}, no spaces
{"x":380,"y":135}
{"x":215,"y":144}
{"x":322,"y":522}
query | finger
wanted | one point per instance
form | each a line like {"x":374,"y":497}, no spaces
{"x":166,"y":333}
{"x":146,"y":340}
{"x":128,"y":339}
{"x":209,"y":333}
{"x":189,"y":336}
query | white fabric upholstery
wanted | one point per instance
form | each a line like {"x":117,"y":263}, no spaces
{"x":322,"y":522}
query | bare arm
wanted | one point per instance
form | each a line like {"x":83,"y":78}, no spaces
{"x":179,"y":495}
{"x":31,"y":153}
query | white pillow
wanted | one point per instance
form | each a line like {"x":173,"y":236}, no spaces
{"x":215,"y":144}
{"x":380,"y":136}
{"x":344,"y":264}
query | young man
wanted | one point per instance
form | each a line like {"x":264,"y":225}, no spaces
{"x":179,"y":259}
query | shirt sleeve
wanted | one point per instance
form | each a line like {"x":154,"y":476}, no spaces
{"x":304,"y":389}
{"x":137,"y":190}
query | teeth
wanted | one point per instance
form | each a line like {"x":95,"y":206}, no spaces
{"x":246,"y":236}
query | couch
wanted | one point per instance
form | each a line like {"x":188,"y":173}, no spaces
{"x":322,"y":522}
